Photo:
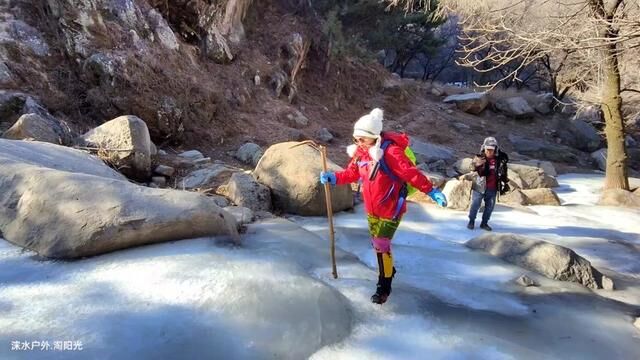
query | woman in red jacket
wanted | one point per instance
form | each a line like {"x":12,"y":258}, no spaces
{"x":378,"y":159}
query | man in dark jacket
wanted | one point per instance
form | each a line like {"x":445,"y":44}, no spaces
{"x":491,"y":166}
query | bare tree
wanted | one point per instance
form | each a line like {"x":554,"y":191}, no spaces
{"x":581,"y":41}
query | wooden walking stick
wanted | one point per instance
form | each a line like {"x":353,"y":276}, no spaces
{"x":327,"y":194}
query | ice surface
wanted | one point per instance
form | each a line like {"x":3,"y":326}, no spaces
{"x":274,"y":297}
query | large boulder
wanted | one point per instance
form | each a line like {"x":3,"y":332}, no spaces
{"x":515,"y":181}
{"x":429,"y":153}
{"x":533,"y":177}
{"x":472,"y":103}
{"x":291,"y":172}
{"x":515,"y":197}
{"x":578,"y":134}
{"x":543,"y":150}
{"x":68,"y":204}
{"x":458,"y":193}
{"x":37,"y":127}
{"x":551,"y":260}
{"x":541,"y":196}
{"x":619,"y":197}
{"x":546,"y":166}
{"x":516,"y":107}
{"x":125,"y":143}
{"x":245,"y":191}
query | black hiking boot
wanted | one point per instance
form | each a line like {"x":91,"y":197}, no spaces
{"x":485,"y":226}
{"x":471,"y":225}
{"x":383,"y":289}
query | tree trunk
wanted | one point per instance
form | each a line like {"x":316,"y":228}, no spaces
{"x":616,"y":174}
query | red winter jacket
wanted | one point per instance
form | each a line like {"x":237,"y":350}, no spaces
{"x":382,"y":193}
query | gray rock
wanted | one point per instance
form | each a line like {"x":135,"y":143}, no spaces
{"x":165,"y":170}
{"x":516,"y":107}
{"x":546,"y":166}
{"x":244,"y":190}
{"x":515,"y":197}
{"x":162,"y":31}
{"x":211,"y":176}
{"x":551,"y":260}
{"x":292,"y":176}
{"x":125,"y":143}
{"x":526,"y":281}
{"x":600,"y":158}
{"x":242,"y":214}
{"x":100,"y":69}
{"x":220,"y":200}
{"x":473,"y":103}
{"x":5,"y":73}
{"x":324,"y":135}
{"x":540,"y":149}
{"x":295,"y":135}
{"x":297,"y":119}
{"x":463,"y":166}
{"x":169,"y":122}
{"x":515,"y":181}
{"x":72,"y":205}
{"x":619,"y":198}
{"x":161,"y":181}
{"x":578,"y":134}
{"x":532,"y":177}
{"x":544,"y":103}
{"x":542,"y":196}
{"x":191,"y":155}
{"x":436,"y":92}
{"x":36,"y":127}
{"x":153,"y":150}
{"x":439,"y":165}
{"x":458,"y":193}
{"x":428,"y":153}
{"x":26,"y":36}
{"x":249,"y":153}
{"x":202,"y":161}
{"x":57,"y":157}
{"x":637,"y":323}
{"x":13,"y":105}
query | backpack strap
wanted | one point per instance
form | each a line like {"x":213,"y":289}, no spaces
{"x":383,"y":165}
{"x":404,"y":190}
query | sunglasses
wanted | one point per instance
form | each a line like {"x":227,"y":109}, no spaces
{"x":360,"y":140}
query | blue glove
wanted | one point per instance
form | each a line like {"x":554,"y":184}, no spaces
{"x":327,"y":177}
{"x":437,"y":196}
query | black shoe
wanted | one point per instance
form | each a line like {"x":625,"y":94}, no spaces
{"x":485,"y":227}
{"x":471,"y":225}
{"x":383,"y":289}
{"x":379,"y":298}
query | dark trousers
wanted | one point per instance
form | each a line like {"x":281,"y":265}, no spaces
{"x":489,"y":198}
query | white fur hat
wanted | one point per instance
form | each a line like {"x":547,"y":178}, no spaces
{"x":370,"y":125}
